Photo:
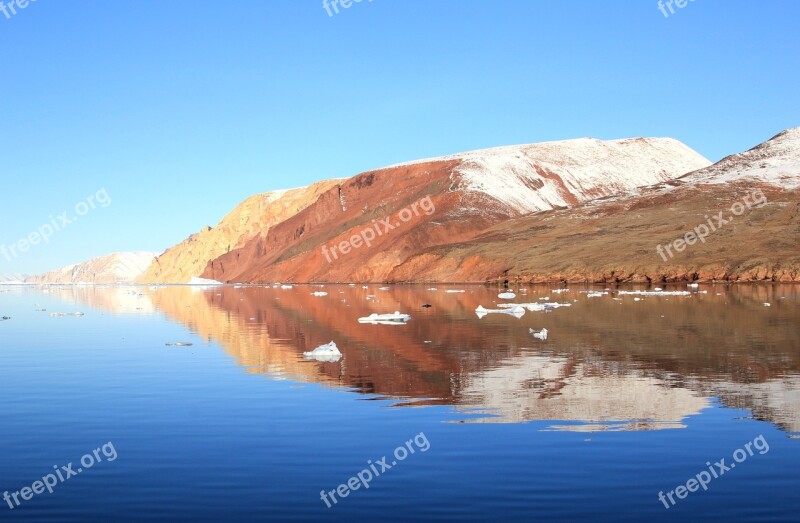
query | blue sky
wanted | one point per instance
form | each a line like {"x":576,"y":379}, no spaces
{"x":180,"y":109}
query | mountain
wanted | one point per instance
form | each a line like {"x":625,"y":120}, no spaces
{"x":118,"y":267}
{"x":401,"y":211}
{"x":12,"y":279}
{"x":746,"y":208}
{"x":248,"y":220}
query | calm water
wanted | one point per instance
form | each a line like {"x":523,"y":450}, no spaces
{"x":625,"y":399}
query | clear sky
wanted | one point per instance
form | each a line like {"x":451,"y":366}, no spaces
{"x":180,"y":109}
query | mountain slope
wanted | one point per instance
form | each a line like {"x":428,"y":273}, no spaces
{"x":118,"y":267}
{"x":460,"y":196}
{"x":249,"y":219}
{"x":618,"y":239}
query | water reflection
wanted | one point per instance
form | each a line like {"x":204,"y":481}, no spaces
{"x":608,"y":364}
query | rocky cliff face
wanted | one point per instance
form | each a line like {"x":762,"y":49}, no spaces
{"x":250,"y":219}
{"x":364,"y":228}
{"x":118,"y":267}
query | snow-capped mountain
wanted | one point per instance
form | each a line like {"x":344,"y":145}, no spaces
{"x":548,"y":175}
{"x":775,"y":162}
{"x":466,"y":194}
{"x":746,"y":206}
{"x":12,"y":279}
{"x":118,"y":267}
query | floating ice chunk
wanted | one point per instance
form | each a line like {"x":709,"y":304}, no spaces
{"x":328,"y":352}
{"x":658,"y":289}
{"x":61,"y":314}
{"x":319,"y":293}
{"x":535,"y":307}
{"x":541,"y":335}
{"x":559,"y":291}
{"x":395,"y":318}
{"x":693,"y":285}
{"x":595,"y":294}
{"x":351,"y":285}
{"x":178,"y":344}
{"x":286,"y":286}
{"x":506,"y":295}
{"x":515,"y":310}
{"x":654,"y":293}
{"x":451,"y":291}
{"x":433,"y":289}
{"x":637,"y":299}
{"x":767,"y":304}
{"x":383,"y":288}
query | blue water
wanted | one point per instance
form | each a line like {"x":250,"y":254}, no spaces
{"x":238,"y":427}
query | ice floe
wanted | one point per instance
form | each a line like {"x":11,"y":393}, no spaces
{"x":535,"y":307}
{"x":451,"y":291}
{"x":506,"y":295}
{"x":540,"y":335}
{"x":328,"y":352}
{"x":654,"y":293}
{"x":395,"y":318}
{"x":178,"y":344}
{"x":61,"y":314}
{"x":515,"y":310}
{"x":319,"y":293}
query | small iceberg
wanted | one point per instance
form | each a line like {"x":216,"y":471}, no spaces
{"x":62,"y":314}
{"x":656,"y":292}
{"x":536,"y":307}
{"x":386,"y":319}
{"x":541,"y":335}
{"x":514,"y":310}
{"x":451,"y":291}
{"x":178,"y":344}
{"x":328,"y":352}
{"x":506,"y":295}
{"x":319,"y":293}
{"x":286,"y":286}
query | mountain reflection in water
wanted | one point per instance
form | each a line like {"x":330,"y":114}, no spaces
{"x":607,"y":365}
